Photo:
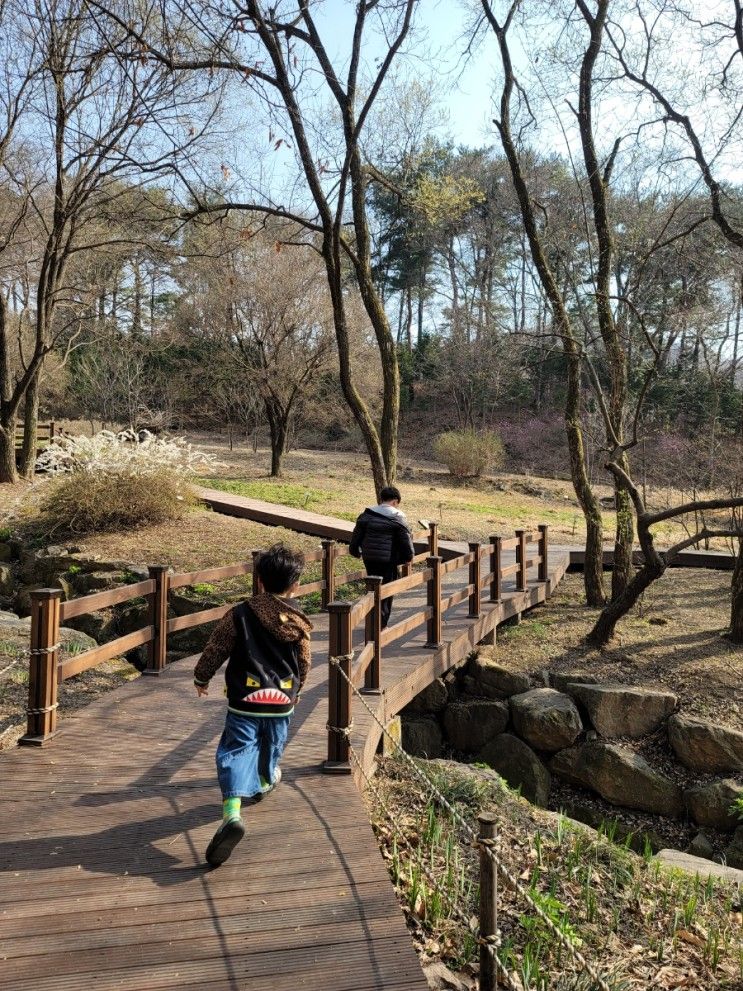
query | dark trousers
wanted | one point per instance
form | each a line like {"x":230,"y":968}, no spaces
{"x":388,"y":573}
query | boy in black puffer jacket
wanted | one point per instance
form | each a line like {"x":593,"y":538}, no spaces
{"x":382,"y":538}
{"x":266,"y":643}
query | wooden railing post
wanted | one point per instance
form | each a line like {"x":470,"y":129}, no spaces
{"x":339,"y":689}
{"x":328,"y":573}
{"x":474,"y":580}
{"x":544,"y":571}
{"x":496,"y":564}
{"x":374,"y":633}
{"x":521,"y":561}
{"x":255,"y":555}
{"x":488,"y":904}
{"x":433,"y":539}
{"x":433,"y":600}
{"x":43,"y":676}
{"x":157,"y":649}
{"x":52,"y":431}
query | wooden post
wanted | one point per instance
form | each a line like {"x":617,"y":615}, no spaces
{"x":374,"y":633}
{"x":52,"y":431}
{"x":339,"y":690}
{"x":544,"y":571}
{"x":157,"y":648}
{"x":328,"y":573}
{"x":256,"y":584}
{"x":496,"y":558}
{"x":433,"y":539}
{"x":521,"y":561}
{"x":488,"y":905}
{"x":433,"y":600}
{"x":474,"y":579}
{"x":43,"y":678}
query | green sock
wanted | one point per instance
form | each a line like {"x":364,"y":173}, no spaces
{"x":231,"y":808}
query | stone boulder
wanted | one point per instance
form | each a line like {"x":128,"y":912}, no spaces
{"x":706,"y":746}
{"x":6,"y":551}
{"x":700,"y":846}
{"x":546,"y":719}
{"x":562,"y":680}
{"x":7,"y":581}
{"x":734,"y":851}
{"x":422,"y":737}
{"x":619,"y":776}
{"x":433,"y":698}
{"x":698,"y":866}
{"x":469,"y":724}
{"x":709,"y":805}
{"x":494,"y":680}
{"x":619,"y":710}
{"x":519,"y":766}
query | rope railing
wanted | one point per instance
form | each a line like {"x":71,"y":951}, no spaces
{"x":491,"y":850}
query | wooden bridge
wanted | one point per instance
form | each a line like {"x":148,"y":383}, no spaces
{"x":102,"y":878}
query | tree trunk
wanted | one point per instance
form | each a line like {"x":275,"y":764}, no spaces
{"x":30,"y":429}
{"x":736,"y":608}
{"x":622,"y":569}
{"x":8,"y":472}
{"x":277,"y":425}
{"x":605,"y":625}
{"x":593,"y":570}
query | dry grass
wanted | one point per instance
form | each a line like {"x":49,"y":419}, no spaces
{"x":674,"y":641}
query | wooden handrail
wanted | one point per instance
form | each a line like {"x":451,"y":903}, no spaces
{"x":361,"y":609}
{"x":102,"y":600}
{"x":404,"y":584}
{"x":406,"y":626}
{"x":457,"y":597}
{"x":310,"y":587}
{"x":211,"y":574}
{"x":114,"y":648}
{"x":510,"y":544}
{"x":363,"y":661}
{"x":455,"y":563}
{"x":210,"y":615}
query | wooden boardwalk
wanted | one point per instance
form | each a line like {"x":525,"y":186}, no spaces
{"x":102,"y":879}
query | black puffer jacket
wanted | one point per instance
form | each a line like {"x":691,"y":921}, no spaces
{"x":379,"y":536}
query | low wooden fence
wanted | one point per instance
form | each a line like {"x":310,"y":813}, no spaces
{"x":362,"y":671}
{"x":45,"y":433}
{"x":49,"y":612}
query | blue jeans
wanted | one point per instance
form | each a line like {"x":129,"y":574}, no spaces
{"x":250,"y":750}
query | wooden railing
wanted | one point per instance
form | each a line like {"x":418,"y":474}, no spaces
{"x":49,"y":612}
{"x":44,"y":433}
{"x":347,"y":672}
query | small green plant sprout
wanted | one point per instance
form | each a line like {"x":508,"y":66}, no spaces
{"x":203,"y":588}
{"x":736,"y":809}
{"x":4,"y":533}
{"x":74,"y":569}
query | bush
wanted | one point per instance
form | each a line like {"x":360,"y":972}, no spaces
{"x":467,"y":453}
{"x":112,"y":481}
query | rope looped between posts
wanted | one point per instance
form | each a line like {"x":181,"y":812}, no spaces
{"x":344,"y":731}
{"x":336,"y":661}
{"x":42,"y":710}
{"x":39,"y":651}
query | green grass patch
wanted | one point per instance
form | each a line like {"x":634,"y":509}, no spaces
{"x":282,"y":493}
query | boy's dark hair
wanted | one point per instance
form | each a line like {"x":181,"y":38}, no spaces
{"x":388,"y":493}
{"x":279,"y":568}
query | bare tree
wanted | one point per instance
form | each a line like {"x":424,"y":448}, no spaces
{"x":93,"y":121}
{"x":277,"y":53}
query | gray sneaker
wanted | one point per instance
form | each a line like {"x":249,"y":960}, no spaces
{"x":224,"y":841}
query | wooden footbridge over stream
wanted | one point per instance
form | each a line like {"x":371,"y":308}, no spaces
{"x":103,"y":884}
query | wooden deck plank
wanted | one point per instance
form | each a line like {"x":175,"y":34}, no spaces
{"x":103,"y":833}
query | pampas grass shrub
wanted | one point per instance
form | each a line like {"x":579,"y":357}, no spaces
{"x":114,"y":481}
{"x":467,"y":453}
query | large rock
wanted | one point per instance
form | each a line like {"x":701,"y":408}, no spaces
{"x":7,"y":581}
{"x":619,"y":776}
{"x":698,"y":866}
{"x":706,"y":746}
{"x":700,"y":846}
{"x":433,"y":698}
{"x":709,"y":805}
{"x":6,"y":551}
{"x":734,"y":851}
{"x":546,"y":719}
{"x":564,"y":680}
{"x":519,"y":766}
{"x":471,"y":723}
{"x":422,"y":737}
{"x":493,"y":680}
{"x":619,"y":710}
{"x":440,"y":978}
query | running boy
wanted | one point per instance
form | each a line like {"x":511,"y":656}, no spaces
{"x":266,"y":643}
